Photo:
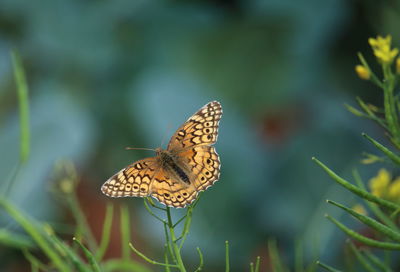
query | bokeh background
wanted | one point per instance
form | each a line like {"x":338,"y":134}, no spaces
{"x":104,"y":75}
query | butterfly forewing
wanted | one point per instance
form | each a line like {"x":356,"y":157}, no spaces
{"x":200,"y":129}
{"x":134,"y":180}
{"x":176,"y":175}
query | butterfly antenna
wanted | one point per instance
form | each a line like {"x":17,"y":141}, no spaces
{"x":165,"y":134}
{"x":139,"y":148}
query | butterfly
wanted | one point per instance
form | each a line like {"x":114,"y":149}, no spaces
{"x":176,"y":175}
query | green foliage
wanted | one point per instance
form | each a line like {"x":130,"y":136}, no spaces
{"x":384,"y":225}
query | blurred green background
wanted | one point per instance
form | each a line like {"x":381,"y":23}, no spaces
{"x":104,"y":75}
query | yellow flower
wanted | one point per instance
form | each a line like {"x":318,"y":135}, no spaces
{"x":380,"y":183}
{"x":394,"y":190}
{"x":398,"y":65}
{"x":381,"y":47}
{"x":363,"y":72}
{"x":359,"y":209}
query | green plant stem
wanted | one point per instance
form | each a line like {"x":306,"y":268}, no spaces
{"x":175,"y":246}
{"x":168,"y":242}
{"x":201,"y":264}
{"x":148,"y":259}
{"x":80,"y":218}
{"x":257,"y":267}
{"x":389,"y":105}
{"x":186,"y":226}
{"x":125,"y":232}
{"x":166,"y":258}
{"x":226,"y":256}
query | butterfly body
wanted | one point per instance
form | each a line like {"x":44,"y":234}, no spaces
{"x":170,"y":162}
{"x":177,"y":174}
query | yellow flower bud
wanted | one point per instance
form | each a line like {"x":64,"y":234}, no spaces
{"x":363,"y":72}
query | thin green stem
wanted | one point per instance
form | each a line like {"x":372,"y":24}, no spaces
{"x":175,"y":247}
{"x":226,"y":256}
{"x":92,"y":260}
{"x":186,"y":227}
{"x":144,"y":257}
{"x":257,"y":267}
{"x":105,"y":237}
{"x":251,"y":267}
{"x":146,"y":205}
{"x":81,"y":220}
{"x":166,"y":258}
{"x":201,"y":264}
{"x":125,"y":232}
{"x":168,"y":242}
{"x":374,"y":78}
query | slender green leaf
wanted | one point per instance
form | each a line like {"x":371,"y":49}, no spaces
{"x":394,"y":157}
{"x":363,"y":261}
{"x":276,"y":261}
{"x":363,"y":239}
{"x":11,"y":239}
{"x":376,"y":261}
{"x":36,"y":265}
{"x":65,"y":251}
{"x":373,"y":207}
{"x":83,"y":226}
{"x":328,"y":268}
{"x":22,"y":90}
{"x":105,"y":237}
{"x":28,"y":224}
{"x":362,"y":193}
{"x":370,"y":222}
{"x":125,"y":265}
{"x":89,"y":256}
{"x":298,"y":261}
